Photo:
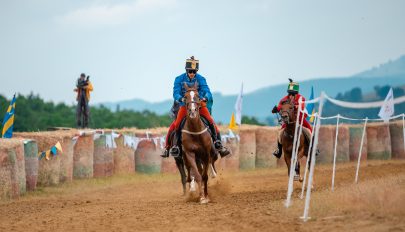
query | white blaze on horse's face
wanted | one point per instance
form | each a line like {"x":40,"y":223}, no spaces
{"x":193,"y":106}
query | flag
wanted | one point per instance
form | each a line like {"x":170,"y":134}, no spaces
{"x":238,"y":107}
{"x":8,"y":121}
{"x":387,"y":109}
{"x":232,"y":123}
{"x":310,"y":107}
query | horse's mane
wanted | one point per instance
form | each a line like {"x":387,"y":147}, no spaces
{"x":286,"y":101}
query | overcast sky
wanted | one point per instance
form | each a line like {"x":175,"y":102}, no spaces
{"x":135,"y":48}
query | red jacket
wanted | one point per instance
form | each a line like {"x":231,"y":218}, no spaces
{"x":297,"y":96}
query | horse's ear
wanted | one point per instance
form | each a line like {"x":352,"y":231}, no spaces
{"x":196,"y":85}
{"x":186,"y":86}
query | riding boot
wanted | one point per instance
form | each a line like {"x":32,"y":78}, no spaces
{"x":216,"y":137}
{"x":277,"y":153}
{"x":175,"y":150}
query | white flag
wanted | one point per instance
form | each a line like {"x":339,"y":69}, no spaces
{"x":387,"y":109}
{"x":238,"y":107}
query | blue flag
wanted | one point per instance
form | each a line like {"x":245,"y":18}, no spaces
{"x":310,"y":106}
{"x":8,"y":121}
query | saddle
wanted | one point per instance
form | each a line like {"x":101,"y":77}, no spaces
{"x":175,"y":136}
{"x":305,"y":131}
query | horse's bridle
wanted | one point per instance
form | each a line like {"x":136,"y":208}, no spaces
{"x":198,"y":102}
{"x":290,"y":112}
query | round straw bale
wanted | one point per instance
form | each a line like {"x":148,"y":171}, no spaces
{"x":6,"y":189}
{"x":397,"y":140}
{"x":83,"y":157}
{"x":66,"y":162}
{"x":356,"y":132}
{"x":147,"y":154}
{"x":266,"y":142}
{"x":31,"y":163}
{"x":247,"y":148}
{"x":12,"y":168}
{"x":378,"y":141}
{"x":124,"y":161}
{"x":103,"y":158}
{"x":325,"y":144}
{"x":342,"y":149}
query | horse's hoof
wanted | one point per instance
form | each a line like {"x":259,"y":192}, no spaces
{"x":301,"y":179}
{"x":204,"y":200}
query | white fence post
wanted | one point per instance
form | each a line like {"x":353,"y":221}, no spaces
{"x":308,"y":155}
{"x":313,"y":160}
{"x":361,"y":148}
{"x":334,"y":153}
{"x":293,"y":158}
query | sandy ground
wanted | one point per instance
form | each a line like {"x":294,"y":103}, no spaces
{"x":244,"y":201}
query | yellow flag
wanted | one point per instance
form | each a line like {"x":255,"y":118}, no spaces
{"x":232,"y":123}
{"x":59,"y":146}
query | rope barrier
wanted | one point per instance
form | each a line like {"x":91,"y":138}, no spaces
{"x":362,"y":105}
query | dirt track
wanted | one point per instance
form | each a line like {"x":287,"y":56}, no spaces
{"x":245,"y":201}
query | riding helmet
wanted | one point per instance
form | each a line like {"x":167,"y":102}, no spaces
{"x":293,"y":87}
{"x":192,"y":64}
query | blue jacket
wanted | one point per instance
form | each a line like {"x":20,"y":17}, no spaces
{"x":179,"y":90}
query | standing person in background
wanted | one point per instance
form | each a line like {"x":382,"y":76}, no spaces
{"x":83,"y":89}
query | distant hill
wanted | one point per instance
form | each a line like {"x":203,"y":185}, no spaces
{"x":260,"y":102}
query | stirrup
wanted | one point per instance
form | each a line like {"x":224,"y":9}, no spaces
{"x":218,"y":144}
{"x":175,"y":151}
{"x":165,"y":153}
{"x":223,"y":151}
{"x":277,"y":154}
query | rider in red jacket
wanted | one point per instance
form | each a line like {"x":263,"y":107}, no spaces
{"x":294,"y":96}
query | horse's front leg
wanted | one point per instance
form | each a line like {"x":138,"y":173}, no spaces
{"x":287,"y":158}
{"x":205,"y":179}
{"x":191,"y":160}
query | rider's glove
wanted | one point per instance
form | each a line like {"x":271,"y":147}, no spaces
{"x":204,"y":99}
{"x":274,"y":110}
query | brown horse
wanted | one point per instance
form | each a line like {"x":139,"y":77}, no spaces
{"x":197,"y":146}
{"x":288,"y":114}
